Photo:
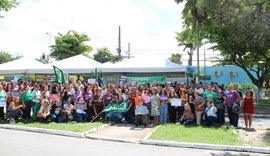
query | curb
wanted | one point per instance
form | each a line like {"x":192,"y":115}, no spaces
{"x":138,"y":141}
{"x":46,"y":131}
{"x":95,"y":129}
{"x":149,"y":134}
{"x":207,"y":146}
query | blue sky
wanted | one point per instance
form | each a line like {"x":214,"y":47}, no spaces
{"x":149,"y":25}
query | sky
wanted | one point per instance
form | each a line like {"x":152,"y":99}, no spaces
{"x":149,"y":26}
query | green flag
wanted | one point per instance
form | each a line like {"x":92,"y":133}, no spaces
{"x":59,"y":75}
{"x":117,"y":107}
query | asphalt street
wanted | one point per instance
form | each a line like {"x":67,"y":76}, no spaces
{"x":14,"y":143}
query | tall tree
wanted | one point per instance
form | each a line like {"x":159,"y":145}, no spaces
{"x":6,"y":57}
{"x":6,"y":5}
{"x":240,"y":30}
{"x":69,"y":45}
{"x":103,"y":55}
{"x":176,"y":58}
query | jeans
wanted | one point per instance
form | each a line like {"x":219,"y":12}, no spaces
{"x":56,"y":118}
{"x":115,"y":116}
{"x":81,"y":116}
{"x":14,"y":113}
{"x":163,"y":113}
{"x":220,"y":116}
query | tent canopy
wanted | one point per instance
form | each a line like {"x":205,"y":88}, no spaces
{"x":22,"y":66}
{"x":144,"y":64}
{"x":77,"y":64}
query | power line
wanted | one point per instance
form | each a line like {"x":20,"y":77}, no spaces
{"x":40,"y":17}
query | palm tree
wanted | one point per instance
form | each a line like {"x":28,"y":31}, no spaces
{"x":194,"y":8}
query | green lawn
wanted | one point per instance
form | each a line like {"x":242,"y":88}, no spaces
{"x":211,"y":135}
{"x":265,"y":102}
{"x":70,"y":126}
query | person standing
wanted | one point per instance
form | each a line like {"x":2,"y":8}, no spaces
{"x":155,"y":104}
{"x":3,"y":101}
{"x":26,"y":98}
{"x":248,"y":108}
{"x":219,"y":103}
{"x":163,"y":106}
{"x":237,"y":110}
{"x":36,"y":99}
{"x":231,"y":99}
{"x":199,"y":104}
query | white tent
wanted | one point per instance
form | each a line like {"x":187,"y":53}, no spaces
{"x":143,"y":64}
{"x":77,"y":64}
{"x":23,"y":66}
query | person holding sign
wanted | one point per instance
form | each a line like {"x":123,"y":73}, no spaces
{"x":3,"y":101}
{"x":175,"y":102}
{"x":141,"y":114}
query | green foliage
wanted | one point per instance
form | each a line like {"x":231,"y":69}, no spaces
{"x":6,"y":57}
{"x":69,"y":45}
{"x":103,"y":55}
{"x":176,"y":58}
{"x":196,"y":134}
{"x":240,"y":30}
{"x":6,"y":5}
{"x":44,"y":58}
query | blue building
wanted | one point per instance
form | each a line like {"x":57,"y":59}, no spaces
{"x":224,"y":75}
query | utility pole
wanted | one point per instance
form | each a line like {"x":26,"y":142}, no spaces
{"x":128,"y":52}
{"x":197,"y":45}
{"x":119,"y":42}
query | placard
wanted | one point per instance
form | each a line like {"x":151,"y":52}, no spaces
{"x":3,"y":103}
{"x":53,"y":97}
{"x":91,"y":81}
{"x":15,"y":93}
{"x":176,"y":102}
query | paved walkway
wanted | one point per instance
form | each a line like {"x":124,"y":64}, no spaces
{"x":258,"y":123}
{"x":121,"y":132}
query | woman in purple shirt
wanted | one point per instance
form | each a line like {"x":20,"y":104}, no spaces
{"x":232,"y":97}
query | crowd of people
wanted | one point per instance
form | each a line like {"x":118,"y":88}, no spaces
{"x":150,"y":104}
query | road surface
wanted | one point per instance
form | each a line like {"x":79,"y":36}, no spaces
{"x":21,"y":143}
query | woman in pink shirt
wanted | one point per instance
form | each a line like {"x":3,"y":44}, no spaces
{"x":147,"y":99}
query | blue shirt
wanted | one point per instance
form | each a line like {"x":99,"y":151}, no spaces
{"x":141,"y":110}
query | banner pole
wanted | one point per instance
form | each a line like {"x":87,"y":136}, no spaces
{"x":96,"y":117}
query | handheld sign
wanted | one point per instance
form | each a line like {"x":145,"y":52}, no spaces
{"x":3,"y":103}
{"x":176,"y":102}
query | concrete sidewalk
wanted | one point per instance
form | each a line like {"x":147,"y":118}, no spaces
{"x":121,"y":132}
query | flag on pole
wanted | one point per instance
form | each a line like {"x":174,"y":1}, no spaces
{"x":59,"y":75}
